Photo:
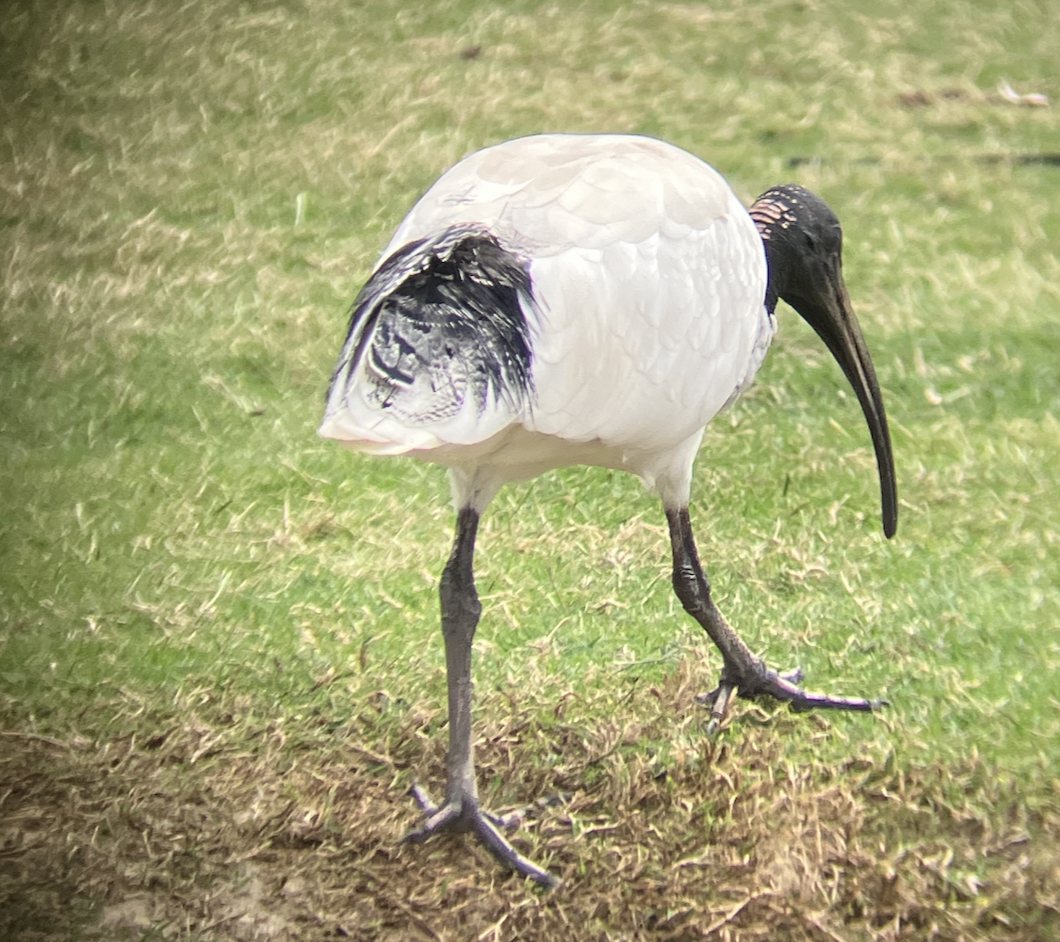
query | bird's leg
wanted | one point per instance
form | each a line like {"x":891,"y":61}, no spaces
{"x":460,"y":810}
{"x":742,"y":673}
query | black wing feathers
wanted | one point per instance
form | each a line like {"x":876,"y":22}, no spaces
{"x":442,"y":319}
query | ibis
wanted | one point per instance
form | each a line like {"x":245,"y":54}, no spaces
{"x":584,"y":299}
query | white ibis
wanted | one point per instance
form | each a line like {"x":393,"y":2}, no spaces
{"x":584,"y":299}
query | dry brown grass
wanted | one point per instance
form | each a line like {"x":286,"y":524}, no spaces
{"x":204,"y":826}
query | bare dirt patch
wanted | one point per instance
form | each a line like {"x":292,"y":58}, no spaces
{"x":206,"y":828}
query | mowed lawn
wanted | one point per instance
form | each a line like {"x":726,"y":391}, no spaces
{"x":220,"y":663}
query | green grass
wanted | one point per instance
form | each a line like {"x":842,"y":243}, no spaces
{"x":190,"y":195}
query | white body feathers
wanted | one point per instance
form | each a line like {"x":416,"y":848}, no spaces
{"x":646,"y":314}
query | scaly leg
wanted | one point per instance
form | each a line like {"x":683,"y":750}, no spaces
{"x":461,"y":811}
{"x":742,"y":673}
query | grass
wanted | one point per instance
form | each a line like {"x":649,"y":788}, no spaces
{"x":219,"y":657}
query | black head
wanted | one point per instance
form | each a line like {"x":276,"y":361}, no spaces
{"x":804,"y":251}
{"x":803,"y":242}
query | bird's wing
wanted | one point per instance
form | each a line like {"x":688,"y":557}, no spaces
{"x":438,"y":350}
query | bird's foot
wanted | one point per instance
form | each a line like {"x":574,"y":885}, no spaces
{"x":463,"y":814}
{"x":759,"y":680}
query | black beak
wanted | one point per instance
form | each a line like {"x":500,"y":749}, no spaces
{"x":831,"y":315}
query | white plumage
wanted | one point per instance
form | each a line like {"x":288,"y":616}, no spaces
{"x":574,"y":299}
{"x":648,"y":314}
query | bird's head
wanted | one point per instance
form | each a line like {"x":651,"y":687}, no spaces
{"x":804,"y":252}
{"x":803,"y":242}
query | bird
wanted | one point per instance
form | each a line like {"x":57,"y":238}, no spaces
{"x":584,"y":299}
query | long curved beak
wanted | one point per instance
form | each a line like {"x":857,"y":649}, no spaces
{"x":831,"y":315}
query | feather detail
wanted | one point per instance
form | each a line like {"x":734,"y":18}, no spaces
{"x":438,"y":336}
